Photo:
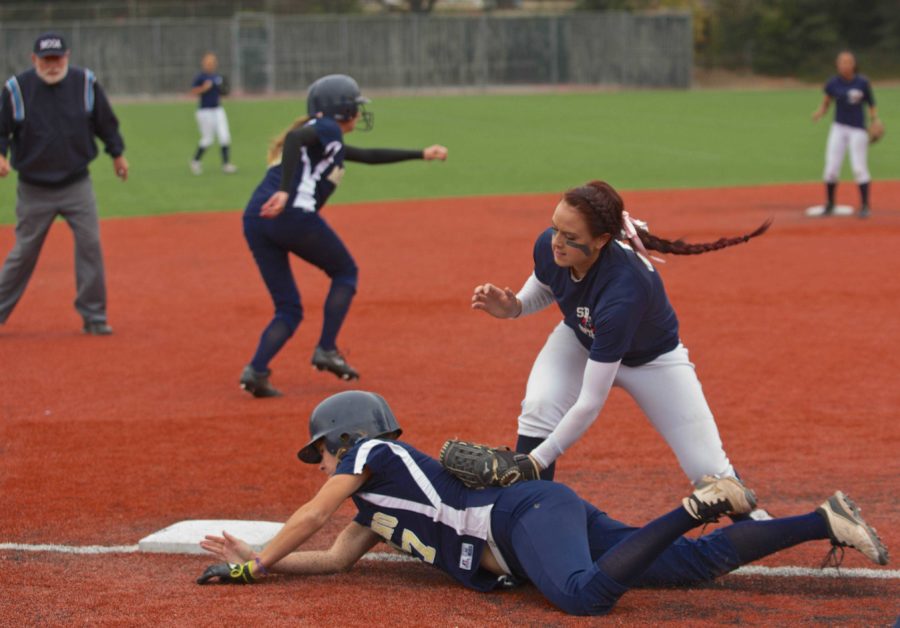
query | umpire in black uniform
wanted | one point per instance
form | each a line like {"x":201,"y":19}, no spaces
{"x":49,"y":116}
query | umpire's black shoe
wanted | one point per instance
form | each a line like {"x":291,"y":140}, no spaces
{"x":714,"y":497}
{"x":257,"y":384}
{"x":97,"y":328}
{"x":828,"y":210}
{"x":333,"y":361}
{"x":865,"y":211}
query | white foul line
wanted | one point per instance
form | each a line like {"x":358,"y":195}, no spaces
{"x":828,"y":572}
{"x":71,"y":549}
{"x":750,"y":570}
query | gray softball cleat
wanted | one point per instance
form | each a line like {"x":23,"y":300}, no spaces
{"x":714,"y":497}
{"x":847,"y":528}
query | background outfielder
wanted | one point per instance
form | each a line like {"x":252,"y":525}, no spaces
{"x":282,"y":218}
{"x":581,"y":559}
{"x":210,"y":86}
{"x":618,"y":329}
{"x":850,"y":91}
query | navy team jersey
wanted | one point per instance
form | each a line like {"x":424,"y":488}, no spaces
{"x":210,"y":98}
{"x":321,"y":168}
{"x":619,"y":310}
{"x":849,"y":97}
{"x":418,"y":507}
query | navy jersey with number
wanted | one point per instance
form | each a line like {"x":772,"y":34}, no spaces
{"x":849,"y":97}
{"x":619,"y":310}
{"x":419,"y":508}
{"x":210,"y":98}
{"x":320,"y":170}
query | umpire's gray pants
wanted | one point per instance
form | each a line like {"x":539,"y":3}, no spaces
{"x":36,"y":207}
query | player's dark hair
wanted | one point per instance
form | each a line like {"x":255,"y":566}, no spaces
{"x":602,"y":207}
{"x":277,"y":142}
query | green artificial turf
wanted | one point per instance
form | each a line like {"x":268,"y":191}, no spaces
{"x":499,"y":144}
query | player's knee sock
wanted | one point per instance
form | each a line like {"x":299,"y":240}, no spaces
{"x":864,"y":193}
{"x":337,"y":304}
{"x":631,"y":556}
{"x":525,"y":444}
{"x":753,"y":540}
{"x":225,"y":152}
{"x":273,"y":338}
{"x":199,"y":154}
{"x":829,"y":192}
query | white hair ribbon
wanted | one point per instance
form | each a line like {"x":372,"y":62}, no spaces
{"x":630,"y":227}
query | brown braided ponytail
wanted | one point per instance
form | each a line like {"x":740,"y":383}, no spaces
{"x":602,"y":207}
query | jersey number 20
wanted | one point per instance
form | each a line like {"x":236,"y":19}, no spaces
{"x":384,"y":525}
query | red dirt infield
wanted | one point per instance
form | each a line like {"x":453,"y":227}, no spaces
{"x":104,"y":440}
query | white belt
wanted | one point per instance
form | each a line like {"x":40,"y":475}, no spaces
{"x":496,"y":553}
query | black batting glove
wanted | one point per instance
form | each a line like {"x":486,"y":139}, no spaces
{"x":228,"y":573}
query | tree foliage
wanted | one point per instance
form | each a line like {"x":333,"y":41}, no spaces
{"x":783,"y":37}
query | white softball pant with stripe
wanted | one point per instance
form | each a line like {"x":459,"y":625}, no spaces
{"x":842,"y":137}
{"x":666,"y":389}
{"x":213,"y":124}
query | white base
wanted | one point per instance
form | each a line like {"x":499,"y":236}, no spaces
{"x":184,"y":537}
{"x":839,"y":210}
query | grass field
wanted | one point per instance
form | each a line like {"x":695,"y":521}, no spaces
{"x":499,"y":144}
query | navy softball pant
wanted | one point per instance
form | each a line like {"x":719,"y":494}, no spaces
{"x":310,"y":238}
{"x":553,"y":538}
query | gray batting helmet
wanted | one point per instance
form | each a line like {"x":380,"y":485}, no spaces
{"x":343,"y":419}
{"x":337,"y":96}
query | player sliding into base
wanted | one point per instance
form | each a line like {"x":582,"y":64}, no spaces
{"x":579,"y":558}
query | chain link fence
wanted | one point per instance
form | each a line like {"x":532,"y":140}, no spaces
{"x":264,"y":53}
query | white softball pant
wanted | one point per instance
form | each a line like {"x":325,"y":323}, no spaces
{"x":842,"y":137}
{"x":666,"y":389}
{"x":213,"y":124}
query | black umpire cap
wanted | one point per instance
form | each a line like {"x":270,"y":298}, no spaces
{"x":50,"y":45}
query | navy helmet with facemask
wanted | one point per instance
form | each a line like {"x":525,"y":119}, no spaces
{"x":337,"y":96}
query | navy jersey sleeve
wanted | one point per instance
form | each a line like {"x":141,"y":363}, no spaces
{"x":831,"y":87}
{"x":347,"y":466}
{"x":377,"y":459}
{"x":198,"y":80}
{"x":617,"y":319}
{"x":868,"y":96}
{"x":543,"y":258}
